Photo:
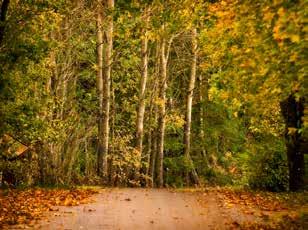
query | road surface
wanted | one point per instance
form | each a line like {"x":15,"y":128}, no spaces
{"x":146,"y":209}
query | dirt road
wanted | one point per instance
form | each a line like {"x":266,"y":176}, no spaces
{"x":146,"y":209}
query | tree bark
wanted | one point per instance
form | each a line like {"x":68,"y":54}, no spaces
{"x":293,"y":111}
{"x":191,"y":86}
{"x":203,"y":102}
{"x":153,"y":143}
{"x":87,"y":158}
{"x":162,"y":111}
{"x":154,"y":160}
{"x":106,"y":86}
{"x":3,"y":12}
{"x":141,"y":107}
{"x":112,"y":168}
{"x":189,"y":97}
{"x":164,"y":56}
{"x":100,"y":93}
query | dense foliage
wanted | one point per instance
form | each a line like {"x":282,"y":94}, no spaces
{"x":250,"y":56}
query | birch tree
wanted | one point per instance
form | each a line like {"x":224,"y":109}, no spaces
{"x":100,"y":90}
{"x":164,"y":56}
{"x":142,"y":89}
{"x":189,"y":100}
{"x":107,"y":61}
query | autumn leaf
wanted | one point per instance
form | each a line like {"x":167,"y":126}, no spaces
{"x":21,"y":207}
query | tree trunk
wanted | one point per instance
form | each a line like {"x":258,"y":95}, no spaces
{"x":190,"y":91}
{"x":164,"y":56}
{"x":113,"y":143}
{"x":106,"y":86}
{"x":152,"y":141}
{"x":191,"y":86}
{"x":148,"y":153}
{"x":87,"y":158}
{"x":3,"y":13}
{"x":141,"y":107}
{"x":161,"y":116}
{"x":153,"y":144}
{"x":100,"y":93}
{"x":203,"y":102}
{"x":293,"y":111}
{"x":154,"y":152}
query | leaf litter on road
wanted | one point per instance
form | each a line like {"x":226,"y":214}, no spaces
{"x":27,"y":206}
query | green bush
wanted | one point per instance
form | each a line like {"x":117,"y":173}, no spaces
{"x":268,"y":167}
{"x":217,"y":177}
{"x":175,"y":168}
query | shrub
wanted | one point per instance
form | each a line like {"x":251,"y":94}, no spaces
{"x":268,"y":167}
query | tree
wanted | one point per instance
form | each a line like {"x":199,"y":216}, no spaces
{"x":256,"y":48}
{"x":165,"y":45}
{"x":107,"y":57}
{"x":3,"y":12}
{"x":190,"y":91}
{"x":293,"y":112}
{"x":142,"y":89}
{"x":112,"y":90}
{"x":100,"y":43}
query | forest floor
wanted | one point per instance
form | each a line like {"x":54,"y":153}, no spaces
{"x":213,"y":208}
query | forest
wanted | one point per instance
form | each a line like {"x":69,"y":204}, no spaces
{"x":161,"y":93}
{"x":154,"y":93}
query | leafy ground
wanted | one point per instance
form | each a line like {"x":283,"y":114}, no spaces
{"x":25,"y":207}
{"x":268,"y":210}
{"x":212,"y":208}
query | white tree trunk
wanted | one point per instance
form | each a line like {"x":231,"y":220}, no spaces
{"x":162,"y":112}
{"x":143,"y":82}
{"x":99,"y":76}
{"x":190,"y":91}
{"x":106,"y":86}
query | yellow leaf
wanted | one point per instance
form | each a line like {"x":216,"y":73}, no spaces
{"x":268,"y":16}
{"x":295,"y":38}
{"x":292,"y":130}
{"x":281,"y":11}
{"x":293,"y":57}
